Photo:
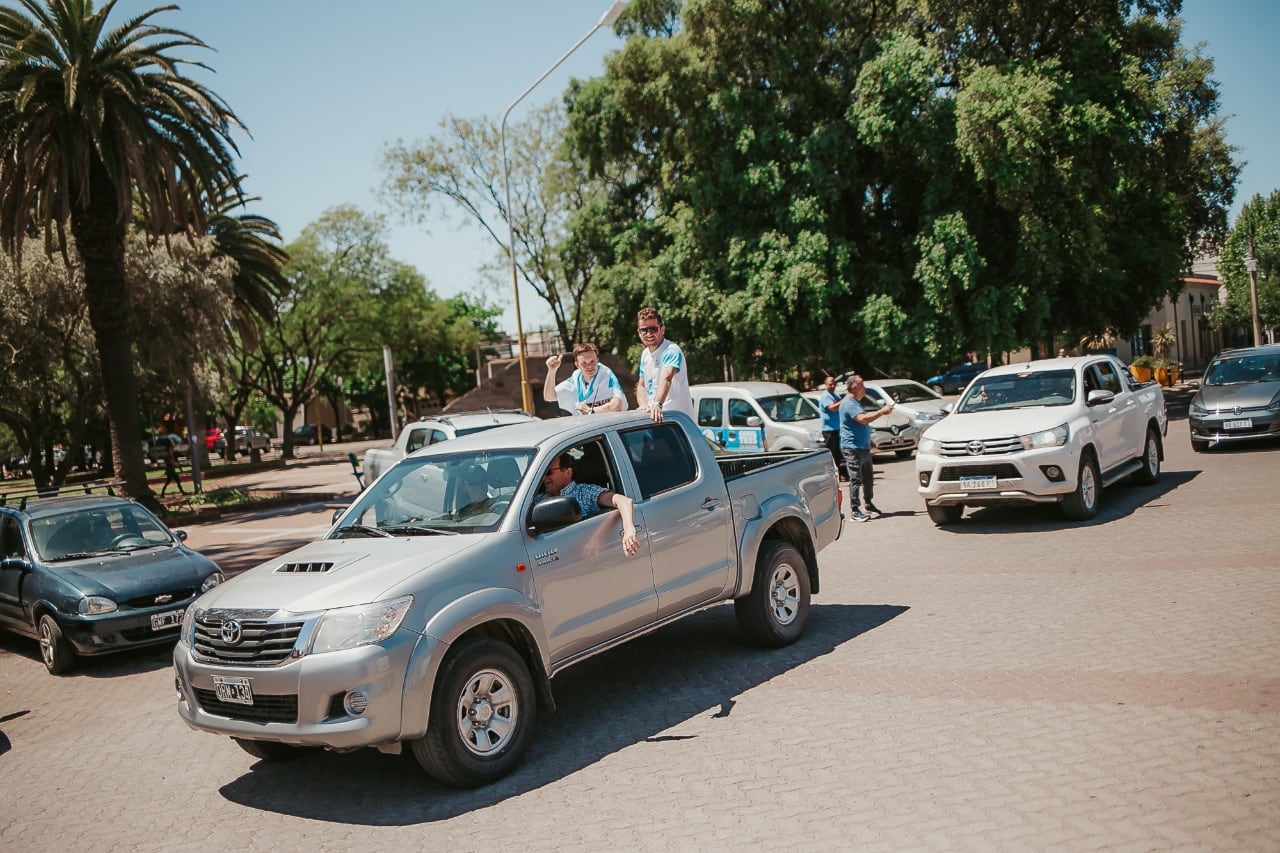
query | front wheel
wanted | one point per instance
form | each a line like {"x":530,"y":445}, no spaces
{"x":1082,"y":504}
{"x":55,"y":651}
{"x":944,"y":515}
{"x":938,"y":389}
{"x":774,"y":613}
{"x":1149,"y":473}
{"x":483,"y":712}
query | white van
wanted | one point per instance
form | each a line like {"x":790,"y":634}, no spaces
{"x":757,"y":416}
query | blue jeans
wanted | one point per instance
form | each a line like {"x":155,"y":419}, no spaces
{"x":858,"y":462}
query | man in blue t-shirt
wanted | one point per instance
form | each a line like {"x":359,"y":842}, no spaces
{"x":557,"y":482}
{"x":855,"y":444}
{"x":829,"y":404}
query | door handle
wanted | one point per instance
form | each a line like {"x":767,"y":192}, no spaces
{"x":710,"y":503}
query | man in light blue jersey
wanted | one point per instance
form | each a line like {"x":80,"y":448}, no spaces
{"x":663,"y":372}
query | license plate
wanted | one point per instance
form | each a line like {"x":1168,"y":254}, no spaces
{"x":171,"y":619}
{"x":1243,"y":423}
{"x":233,"y":689}
{"x":974,"y":484}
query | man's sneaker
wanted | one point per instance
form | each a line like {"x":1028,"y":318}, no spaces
{"x":860,"y":516}
{"x":873,"y":511}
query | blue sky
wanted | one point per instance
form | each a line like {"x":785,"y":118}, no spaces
{"x":324,"y":86}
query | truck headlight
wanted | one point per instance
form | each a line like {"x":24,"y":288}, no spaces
{"x":1055,"y":437}
{"x":349,"y":627}
{"x":927,"y":445}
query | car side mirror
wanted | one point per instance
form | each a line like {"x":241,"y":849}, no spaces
{"x":19,"y":564}
{"x":1099,"y":397}
{"x":946,"y":408}
{"x":754,"y":421}
{"x":180,"y":535}
{"x":552,"y":514}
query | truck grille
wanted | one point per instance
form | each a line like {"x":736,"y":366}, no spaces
{"x":265,"y":709}
{"x":982,"y":446}
{"x":1000,"y":470}
{"x":261,"y":642}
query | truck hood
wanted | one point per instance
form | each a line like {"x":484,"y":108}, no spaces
{"x":336,"y":573}
{"x":1000,"y":422}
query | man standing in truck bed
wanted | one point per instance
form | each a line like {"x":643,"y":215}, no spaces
{"x":663,"y":372}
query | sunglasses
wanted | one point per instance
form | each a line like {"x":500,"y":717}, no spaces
{"x":648,"y":330}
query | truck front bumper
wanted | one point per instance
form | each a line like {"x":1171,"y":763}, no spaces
{"x":1029,"y":477}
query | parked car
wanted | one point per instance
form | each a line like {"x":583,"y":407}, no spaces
{"x":956,"y":379}
{"x":213,"y":440}
{"x":306,"y":434}
{"x":1053,"y":431}
{"x":92,"y":574}
{"x":892,"y":433}
{"x":757,"y":416}
{"x":1238,"y":399}
{"x":433,"y":430}
{"x":922,"y":405}
{"x":249,"y":438}
{"x":422,"y":624}
{"x":159,"y":445}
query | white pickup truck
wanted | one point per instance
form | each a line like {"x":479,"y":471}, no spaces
{"x":436,"y":617}
{"x":1051,"y":431}
{"x":433,"y":430}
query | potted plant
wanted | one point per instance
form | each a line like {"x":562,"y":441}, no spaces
{"x":1163,"y":339}
{"x":1166,"y":370}
{"x":1140,"y":367}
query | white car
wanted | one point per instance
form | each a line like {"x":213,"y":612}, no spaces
{"x":921,"y":404}
{"x":1052,"y":431}
{"x":894,"y":433}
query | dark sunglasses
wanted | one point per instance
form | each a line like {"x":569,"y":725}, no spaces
{"x":648,"y":330}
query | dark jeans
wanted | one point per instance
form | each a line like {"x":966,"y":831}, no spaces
{"x":831,"y":438}
{"x":858,"y":462}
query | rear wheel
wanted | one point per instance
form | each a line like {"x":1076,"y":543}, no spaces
{"x":944,"y":515}
{"x":1149,"y":473}
{"x":55,"y":651}
{"x":938,"y":389}
{"x":774,"y":613}
{"x":483,"y":712}
{"x":1082,"y":504}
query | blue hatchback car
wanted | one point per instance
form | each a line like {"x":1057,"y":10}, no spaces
{"x":92,"y":574}
{"x":957,"y":378}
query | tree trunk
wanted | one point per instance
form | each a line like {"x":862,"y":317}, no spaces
{"x":99,"y":229}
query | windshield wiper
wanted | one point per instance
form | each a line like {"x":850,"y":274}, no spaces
{"x":365,"y":530}
{"x":80,"y":555}
{"x":419,"y":529}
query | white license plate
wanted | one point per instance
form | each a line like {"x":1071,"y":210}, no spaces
{"x":1243,"y":423}
{"x":233,"y":689}
{"x":160,"y":621}
{"x":975,"y":484}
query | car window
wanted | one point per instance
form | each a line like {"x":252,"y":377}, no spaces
{"x":1019,"y":391}
{"x":911,"y":393}
{"x":1227,"y":370}
{"x":787,"y":408}
{"x":11,"y":537}
{"x":417,"y":440}
{"x":739,"y":411}
{"x":710,"y":412}
{"x":661,"y":456}
{"x":1108,"y":379}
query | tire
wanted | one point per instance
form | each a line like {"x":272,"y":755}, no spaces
{"x":1149,"y":473}
{"x":1082,"y":504}
{"x":903,"y":454}
{"x":483,"y":713}
{"x":944,"y":515}
{"x":268,"y":750}
{"x":939,"y":389}
{"x":1199,"y":446}
{"x":55,"y":651}
{"x":774,"y":613}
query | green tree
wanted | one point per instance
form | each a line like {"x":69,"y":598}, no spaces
{"x":1256,"y":231}
{"x":92,"y":119}
{"x":890,"y":184}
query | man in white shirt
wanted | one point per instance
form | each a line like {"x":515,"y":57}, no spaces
{"x":663,"y":372}
{"x":591,"y":388}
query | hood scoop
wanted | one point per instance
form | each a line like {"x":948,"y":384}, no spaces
{"x":322,"y":564}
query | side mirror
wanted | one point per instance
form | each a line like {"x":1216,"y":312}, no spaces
{"x":754,"y":421}
{"x":181,"y":535}
{"x":946,"y":408}
{"x":20,"y":564}
{"x":1099,"y":397}
{"x":552,"y":514}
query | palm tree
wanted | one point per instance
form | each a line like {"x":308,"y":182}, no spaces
{"x":92,"y":121}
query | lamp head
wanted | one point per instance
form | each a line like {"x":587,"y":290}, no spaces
{"x":611,"y":17}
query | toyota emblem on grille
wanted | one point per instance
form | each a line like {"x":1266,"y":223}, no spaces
{"x":231,"y":632}
{"x":974,"y":448}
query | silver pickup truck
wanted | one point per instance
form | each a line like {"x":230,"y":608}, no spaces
{"x":439,"y":607}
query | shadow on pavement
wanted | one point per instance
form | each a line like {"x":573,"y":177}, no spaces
{"x":625,"y":697}
{"x":1118,"y":501}
{"x":109,"y":665}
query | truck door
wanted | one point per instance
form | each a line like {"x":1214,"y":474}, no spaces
{"x":1114,"y":423}
{"x":686,"y":517}
{"x":590,"y":591}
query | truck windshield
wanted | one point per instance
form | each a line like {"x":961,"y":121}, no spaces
{"x":438,"y":494}
{"x":786,"y":408}
{"x":1019,"y":391}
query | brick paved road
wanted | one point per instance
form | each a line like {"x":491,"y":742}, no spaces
{"x":1014,"y":683}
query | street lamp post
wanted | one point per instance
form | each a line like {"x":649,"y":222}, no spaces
{"x":608,"y":19}
{"x":1251,"y":264}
